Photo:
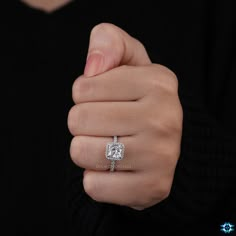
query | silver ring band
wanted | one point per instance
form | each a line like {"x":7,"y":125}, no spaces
{"x":114,"y":152}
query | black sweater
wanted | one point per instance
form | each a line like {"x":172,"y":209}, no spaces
{"x":41,"y":55}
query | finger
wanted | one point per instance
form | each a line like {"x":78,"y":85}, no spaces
{"x":89,"y":153}
{"x":123,"y":188}
{"x":120,"y":84}
{"x":109,"y":47}
{"x":105,"y":119}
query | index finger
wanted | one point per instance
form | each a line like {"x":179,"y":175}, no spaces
{"x":125,"y":83}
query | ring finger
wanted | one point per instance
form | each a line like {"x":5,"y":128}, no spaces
{"x":89,"y":152}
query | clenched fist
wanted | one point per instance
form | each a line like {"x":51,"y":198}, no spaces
{"x":122,"y":93}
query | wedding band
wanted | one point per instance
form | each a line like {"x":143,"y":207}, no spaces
{"x":114,"y":152}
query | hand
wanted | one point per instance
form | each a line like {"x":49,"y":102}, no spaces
{"x":122,"y":93}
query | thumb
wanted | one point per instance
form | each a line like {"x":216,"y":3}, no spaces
{"x":109,"y":47}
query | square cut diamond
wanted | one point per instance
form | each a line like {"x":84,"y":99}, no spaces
{"x":115,"y":151}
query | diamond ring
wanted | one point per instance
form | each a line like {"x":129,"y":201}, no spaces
{"x":114,"y":152}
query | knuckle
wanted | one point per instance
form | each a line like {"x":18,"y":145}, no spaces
{"x":164,"y":191}
{"x":77,"y":118}
{"x":73,"y":149}
{"x":157,"y":191}
{"x":158,"y":195}
{"x":147,"y":202}
{"x":71,"y":121}
{"x":179,"y":118}
{"x":78,"y":151}
{"x":163,"y":127}
{"x":139,"y":44}
{"x":89,"y":184}
{"x":174,"y":124}
{"x":171,"y":156}
{"x":168,"y":123}
{"x":176,"y":129}
{"x":80,"y":88}
{"x":168,"y":127}
{"x":155,"y":83}
{"x":164,"y":78}
{"x":159,"y":127}
{"x":151,"y":190}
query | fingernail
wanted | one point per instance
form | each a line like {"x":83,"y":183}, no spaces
{"x":94,"y":64}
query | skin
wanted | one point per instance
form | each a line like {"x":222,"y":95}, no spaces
{"x":123,"y":93}
{"x":46,"y":5}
